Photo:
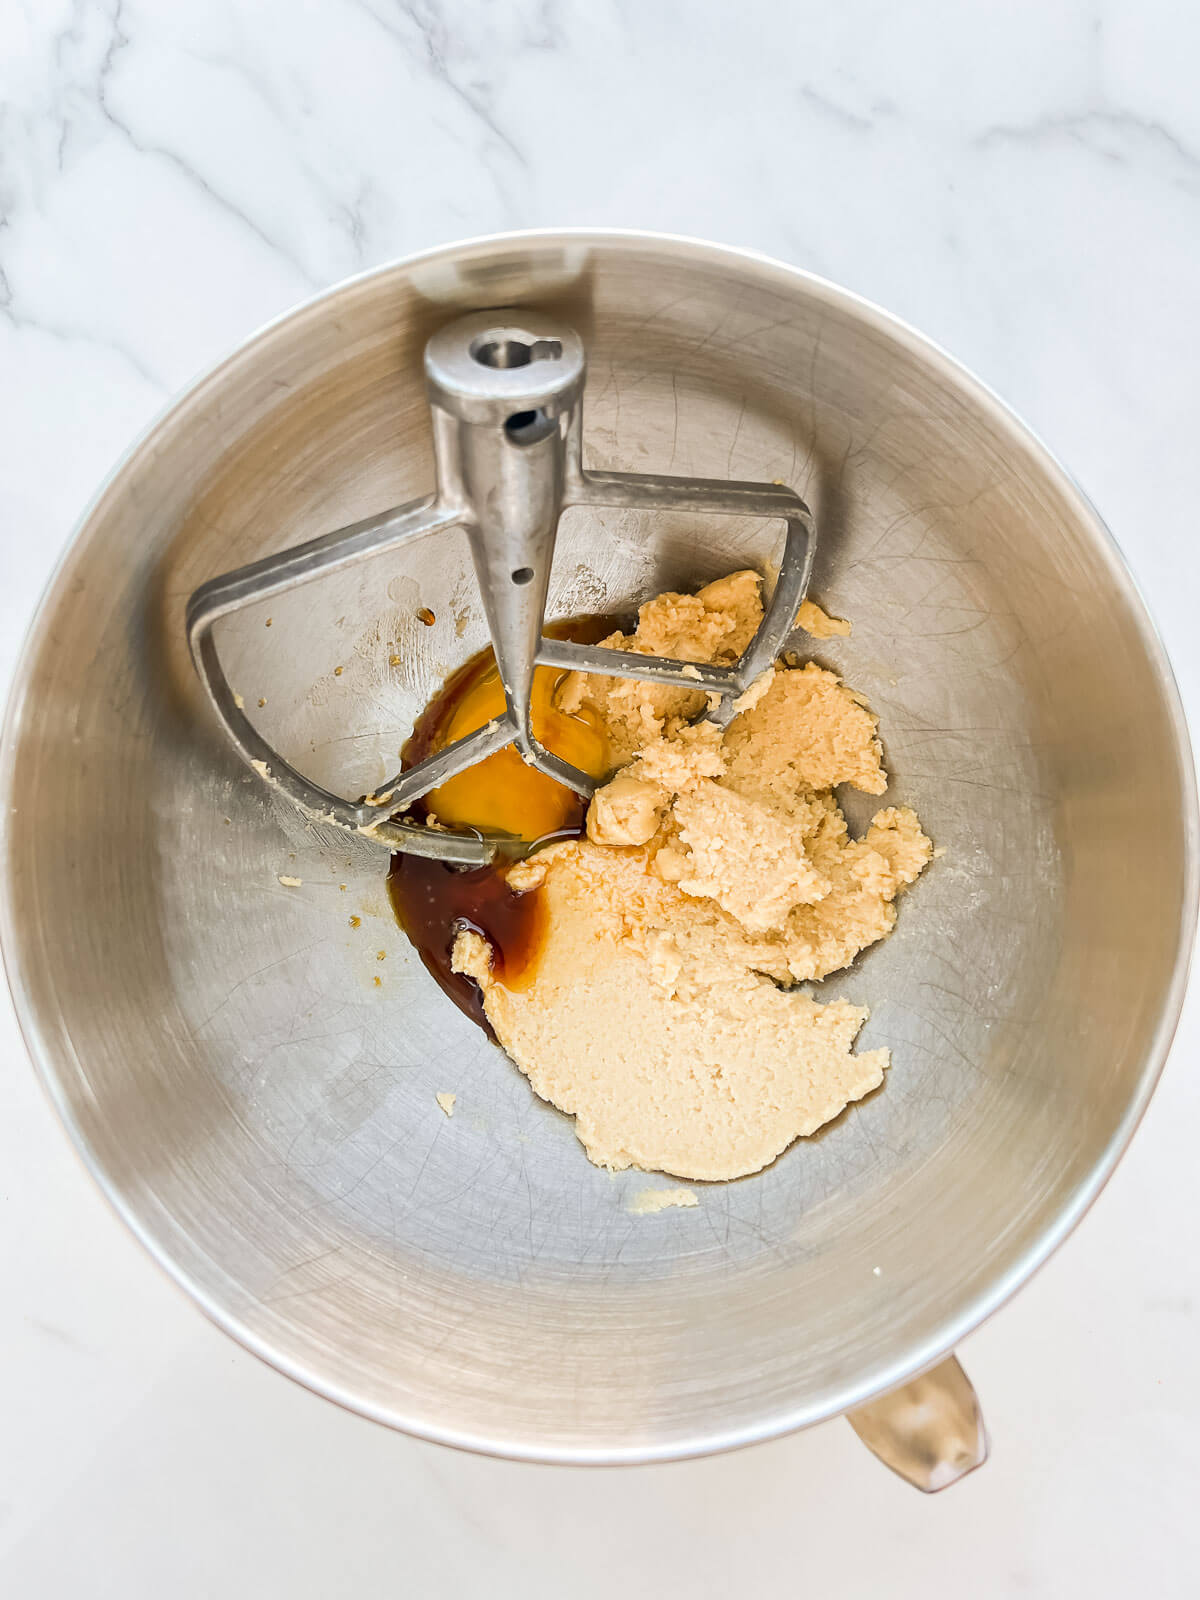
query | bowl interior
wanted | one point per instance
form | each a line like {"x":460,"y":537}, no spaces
{"x":262,"y":1109}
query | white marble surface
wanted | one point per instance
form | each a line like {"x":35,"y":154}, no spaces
{"x":1021,"y":179}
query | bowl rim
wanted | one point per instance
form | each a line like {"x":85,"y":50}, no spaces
{"x":700,"y":1439}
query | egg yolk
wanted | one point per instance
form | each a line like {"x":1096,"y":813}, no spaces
{"x":501,"y":794}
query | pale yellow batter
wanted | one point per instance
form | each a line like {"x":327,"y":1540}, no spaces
{"x":718,"y":872}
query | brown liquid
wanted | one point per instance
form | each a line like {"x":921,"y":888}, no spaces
{"x":432,"y":901}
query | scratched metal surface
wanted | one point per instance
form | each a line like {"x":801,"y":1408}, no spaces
{"x":262,"y":1110}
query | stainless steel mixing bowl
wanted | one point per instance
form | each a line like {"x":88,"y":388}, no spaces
{"x":261,"y":1110}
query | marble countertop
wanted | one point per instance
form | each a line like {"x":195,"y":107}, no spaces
{"x":1021,"y":180}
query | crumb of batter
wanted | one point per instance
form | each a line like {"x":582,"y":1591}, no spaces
{"x":819,"y":623}
{"x":718,"y":873}
{"x":525,"y":875}
{"x":446,"y":1101}
{"x":649,"y":1201}
{"x":471,"y":956}
{"x":626,"y":811}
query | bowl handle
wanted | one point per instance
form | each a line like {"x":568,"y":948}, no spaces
{"x":930,"y":1431}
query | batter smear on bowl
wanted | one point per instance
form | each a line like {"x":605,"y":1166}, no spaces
{"x":656,"y":996}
